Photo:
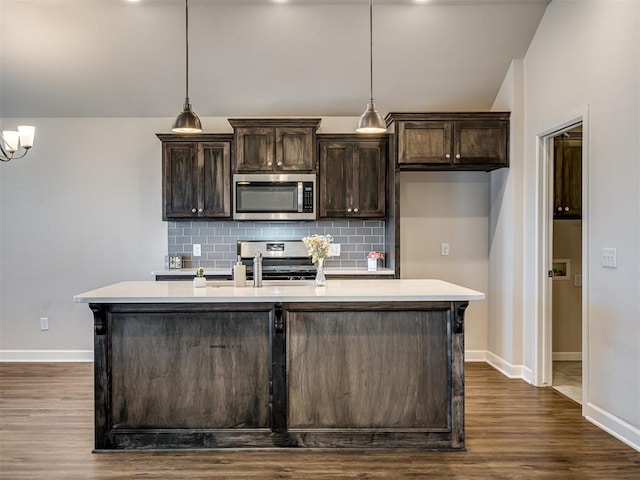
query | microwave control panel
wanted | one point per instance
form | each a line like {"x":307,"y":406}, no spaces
{"x":307,"y":197}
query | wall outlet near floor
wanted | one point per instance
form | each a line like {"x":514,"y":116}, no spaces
{"x":44,"y":323}
{"x":334,"y":249}
{"x":197,"y":250}
{"x":444,"y":249}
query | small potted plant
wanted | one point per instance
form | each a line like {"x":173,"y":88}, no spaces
{"x":200,"y":280}
{"x":372,"y":260}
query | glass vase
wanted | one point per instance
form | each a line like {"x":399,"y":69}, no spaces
{"x":321,"y":280}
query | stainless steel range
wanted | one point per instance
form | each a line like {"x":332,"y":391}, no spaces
{"x":281,"y":260}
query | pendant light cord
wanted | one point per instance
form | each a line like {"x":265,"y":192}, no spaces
{"x":371,"y":49}
{"x":186,"y":16}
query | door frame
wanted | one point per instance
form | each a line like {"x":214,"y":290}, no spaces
{"x":544,"y":250}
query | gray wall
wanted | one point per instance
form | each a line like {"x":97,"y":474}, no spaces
{"x":80,"y":211}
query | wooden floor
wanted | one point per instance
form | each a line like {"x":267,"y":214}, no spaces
{"x":513,"y":430}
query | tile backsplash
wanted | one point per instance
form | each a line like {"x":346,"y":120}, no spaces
{"x":219,"y":239}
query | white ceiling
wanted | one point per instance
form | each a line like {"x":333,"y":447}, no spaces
{"x":113,"y":58}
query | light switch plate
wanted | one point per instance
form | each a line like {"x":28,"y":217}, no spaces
{"x":609,"y":258}
{"x":334,"y":249}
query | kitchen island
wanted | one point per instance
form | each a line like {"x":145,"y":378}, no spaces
{"x":354,"y":364}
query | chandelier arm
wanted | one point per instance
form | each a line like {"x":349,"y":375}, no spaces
{"x":5,"y":156}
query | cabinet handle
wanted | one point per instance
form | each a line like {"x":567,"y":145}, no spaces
{"x":348,"y":210}
{"x":447,"y":155}
{"x":193,"y":210}
{"x":566,"y":209}
{"x":559,"y":209}
{"x":355,"y":210}
{"x":279,"y":164}
{"x":200,"y":210}
{"x":269,"y":163}
{"x":458,"y":156}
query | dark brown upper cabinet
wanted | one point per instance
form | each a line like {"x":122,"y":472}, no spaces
{"x":567,"y":172}
{"x":352,"y":176}
{"x":273,"y":145}
{"x":196,"y":176}
{"x":450,"y":141}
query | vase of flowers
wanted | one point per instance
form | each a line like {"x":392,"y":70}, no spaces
{"x":372,"y":260}
{"x":318,"y":248}
{"x":199,"y":280}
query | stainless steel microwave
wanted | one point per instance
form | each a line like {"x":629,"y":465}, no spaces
{"x":265,"y":196}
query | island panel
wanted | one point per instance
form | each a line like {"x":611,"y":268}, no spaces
{"x":384,"y":370}
{"x":190,"y":370}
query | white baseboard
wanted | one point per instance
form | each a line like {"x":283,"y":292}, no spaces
{"x":46,"y":355}
{"x":567,"y":356}
{"x":475,"y":356}
{"x":506,"y":368}
{"x":613,"y":425}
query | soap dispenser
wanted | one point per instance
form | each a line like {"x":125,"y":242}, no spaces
{"x":239,"y":274}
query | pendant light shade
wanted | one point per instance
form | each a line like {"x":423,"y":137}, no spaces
{"x":187,"y":121}
{"x":371,"y":121}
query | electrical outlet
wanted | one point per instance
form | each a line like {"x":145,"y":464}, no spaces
{"x":197,"y":250}
{"x":334,"y":249}
{"x":609,"y":258}
{"x":444,"y":249}
{"x":44,"y":323}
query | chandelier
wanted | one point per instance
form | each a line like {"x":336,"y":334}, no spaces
{"x":15,"y":144}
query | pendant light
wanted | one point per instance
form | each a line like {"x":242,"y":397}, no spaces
{"x":371,"y":121}
{"x":187,"y":121}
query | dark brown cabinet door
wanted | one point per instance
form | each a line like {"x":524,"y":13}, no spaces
{"x":424,"y":142}
{"x":567,"y":178}
{"x":334,"y":178}
{"x":294,"y":149}
{"x":255,"y":149}
{"x":180,"y":182}
{"x":352,"y":177}
{"x":369,"y":186}
{"x":482,"y":142}
{"x":196,"y":176}
{"x":215,"y":181}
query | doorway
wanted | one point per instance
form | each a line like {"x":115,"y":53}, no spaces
{"x":566,"y":246}
{"x":560,"y":262}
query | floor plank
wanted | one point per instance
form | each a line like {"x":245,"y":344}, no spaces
{"x":513,"y":431}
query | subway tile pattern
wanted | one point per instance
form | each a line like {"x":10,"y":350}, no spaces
{"x":219,"y":239}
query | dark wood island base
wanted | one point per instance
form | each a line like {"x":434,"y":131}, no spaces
{"x":272,"y":375}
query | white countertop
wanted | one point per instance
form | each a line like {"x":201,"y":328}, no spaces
{"x":405,"y":290}
{"x":330,"y":271}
